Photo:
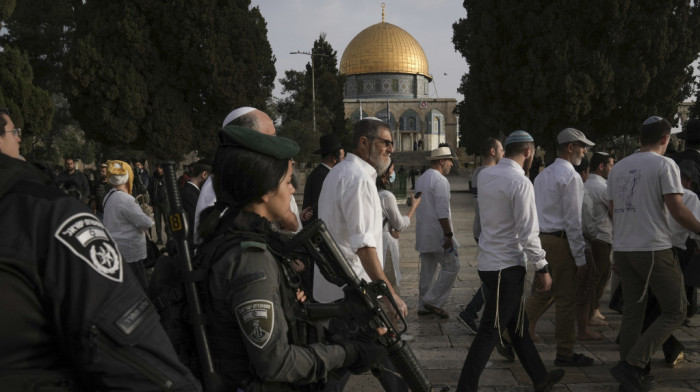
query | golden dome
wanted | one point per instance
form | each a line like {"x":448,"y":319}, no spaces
{"x":384,"y":48}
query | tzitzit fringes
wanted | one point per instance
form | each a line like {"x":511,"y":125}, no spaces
{"x":646,"y":284}
{"x":520,"y":326}
{"x":497,"y":318}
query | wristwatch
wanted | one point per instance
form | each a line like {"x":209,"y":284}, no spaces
{"x":543,"y":270}
{"x":449,"y":235}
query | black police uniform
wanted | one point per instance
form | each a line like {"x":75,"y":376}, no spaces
{"x":71,"y":316}
{"x":254,"y":336}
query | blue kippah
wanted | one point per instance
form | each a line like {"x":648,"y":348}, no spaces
{"x":652,"y":120}
{"x":519,"y":137}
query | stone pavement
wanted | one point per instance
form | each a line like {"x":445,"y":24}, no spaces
{"x":441,"y":345}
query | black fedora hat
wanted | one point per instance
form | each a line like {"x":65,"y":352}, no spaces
{"x":692,"y":130}
{"x":329,"y":143}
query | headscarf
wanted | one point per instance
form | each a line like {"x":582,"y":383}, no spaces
{"x":119,"y":172}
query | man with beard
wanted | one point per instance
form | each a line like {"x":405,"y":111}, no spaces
{"x":349,"y":205}
{"x":98,"y":192}
{"x":559,"y":198}
{"x":509,"y":238}
{"x":74,"y":181}
{"x":434,"y":238}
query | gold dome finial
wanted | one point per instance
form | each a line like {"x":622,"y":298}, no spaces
{"x":383,"y":6}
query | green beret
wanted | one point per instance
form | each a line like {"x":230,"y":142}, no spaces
{"x":274,"y":146}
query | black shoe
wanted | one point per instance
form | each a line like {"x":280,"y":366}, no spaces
{"x":553,"y":377}
{"x":629,"y":377}
{"x":469,"y":323}
{"x":576,"y":360}
{"x":506,"y":351}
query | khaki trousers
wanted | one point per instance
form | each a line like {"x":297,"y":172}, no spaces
{"x":563,"y":294}
{"x":661,"y":270}
{"x":601,"y":257}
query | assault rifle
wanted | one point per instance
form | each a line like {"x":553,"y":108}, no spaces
{"x":361,"y":306}
{"x":179,"y":228}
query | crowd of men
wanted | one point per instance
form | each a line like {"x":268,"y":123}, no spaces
{"x":640,"y":212}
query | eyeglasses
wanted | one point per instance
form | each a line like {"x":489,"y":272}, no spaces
{"x":17,"y":132}
{"x":387,"y":143}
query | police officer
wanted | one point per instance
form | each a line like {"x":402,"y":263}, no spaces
{"x":73,"y":318}
{"x":256,"y":305}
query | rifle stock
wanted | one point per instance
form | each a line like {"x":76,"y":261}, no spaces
{"x":179,"y":228}
{"x":361,"y":302}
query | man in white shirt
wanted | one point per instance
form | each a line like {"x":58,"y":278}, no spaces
{"x":638,"y":188}
{"x":349,"y":205}
{"x":559,"y":198}
{"x":491,"y":153}
{"x":257,"y":120}
{"x":509,"y":239}
{"x":434,"y":237}
{"x":598,"y":228}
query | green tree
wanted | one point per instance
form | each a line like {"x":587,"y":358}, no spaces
{"x":601,"y":65}
{"x":43,"y":29}
{"x":160,"y":76}
{"x":296,"y":110}
{"x":30,"y":106}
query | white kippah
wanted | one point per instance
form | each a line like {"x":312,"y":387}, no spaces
{"x":652,"y":120}
{"x":237,"y":113}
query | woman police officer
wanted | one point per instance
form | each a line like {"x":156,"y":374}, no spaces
{"x":255,"y":345}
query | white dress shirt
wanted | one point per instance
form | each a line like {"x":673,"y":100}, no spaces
{"x":509,"y":229}
{"x":349,"y":205}
{"x":680,"y":234}
{"x":597,"y":223}
{"x":434,"y":205}
{"x":392,"y":218}
{"x":207,"y":198}
{"x":559,"y":199}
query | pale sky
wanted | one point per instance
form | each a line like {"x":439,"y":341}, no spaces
{"x":294,"y":25}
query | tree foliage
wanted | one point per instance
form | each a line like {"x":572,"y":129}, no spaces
{"x":296,"y":110}
{"x":30,"y":106}
{"x":160,"y":76}
{"x":600,"y":65}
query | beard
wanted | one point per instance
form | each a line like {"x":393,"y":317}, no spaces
{"x":380,"y":163}
{"x":576,"y":161}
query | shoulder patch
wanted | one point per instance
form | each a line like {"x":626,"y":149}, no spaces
{"x":87,"y":238}
{"x":257,"y":321}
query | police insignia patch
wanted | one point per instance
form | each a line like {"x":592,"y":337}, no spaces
{"x":88,"y":239}
{"x":257,"y":319}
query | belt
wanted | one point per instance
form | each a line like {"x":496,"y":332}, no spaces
{"x":560,"y":234}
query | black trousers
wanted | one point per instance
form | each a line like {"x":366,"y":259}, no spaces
{"x":509,"y":299}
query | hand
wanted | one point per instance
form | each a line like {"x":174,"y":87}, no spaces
{"x":361,"y":355}
{"x":301,"y":296}
{"x":448,"y":244}
{"x":545,"y":282}
{"x":415,"y":202}
{"x":394,"y":233}
{"x":401,"y":305}
{"x":298,"y":266}
{"x":306,"y":214}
